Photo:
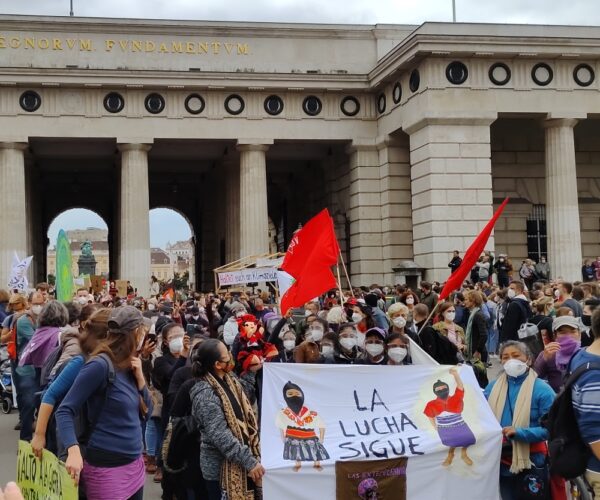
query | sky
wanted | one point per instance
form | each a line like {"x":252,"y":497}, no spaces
{"x":165,"y":225}
{"x":332,"y":11}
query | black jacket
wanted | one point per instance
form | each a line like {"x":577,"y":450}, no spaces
{"x":517,"y":313}
{"x":479,"y":333}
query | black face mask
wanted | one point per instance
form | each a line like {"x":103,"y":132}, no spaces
{"x":295,"y":403}
{"x":586,"y":320}
{"x":442,"y":393}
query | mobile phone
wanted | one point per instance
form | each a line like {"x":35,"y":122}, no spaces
{"x":152,"y":337}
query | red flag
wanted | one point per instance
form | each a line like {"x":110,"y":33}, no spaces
{"x":471,"y":255}
{"x":308,"y":260}
{"x":169,"y":295}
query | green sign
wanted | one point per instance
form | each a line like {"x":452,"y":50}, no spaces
{"x":46,"y":479}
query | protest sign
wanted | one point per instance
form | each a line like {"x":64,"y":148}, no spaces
{"x":121,"y":286}
{"x":46,"y":478}
{"x":97,"y":284}
{"x":250,"y":275}
{"x":18,"y":274}
{"x":347,"y":431}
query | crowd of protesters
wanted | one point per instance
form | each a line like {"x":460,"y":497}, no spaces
{"x":169,"y":386}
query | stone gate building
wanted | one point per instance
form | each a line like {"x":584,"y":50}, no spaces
{"x":410,"y":135}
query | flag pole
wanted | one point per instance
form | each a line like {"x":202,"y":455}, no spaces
{"x":429,"y":317}
{"x":346,"y":273}
{"x":339,"y":280}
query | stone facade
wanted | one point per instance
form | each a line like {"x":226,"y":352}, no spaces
{"x":410,"y":135}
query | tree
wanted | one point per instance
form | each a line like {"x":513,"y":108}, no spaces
{"x":180,"y":280}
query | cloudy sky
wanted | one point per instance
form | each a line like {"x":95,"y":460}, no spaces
{"x":335,"y":11}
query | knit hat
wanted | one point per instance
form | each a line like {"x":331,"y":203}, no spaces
{"x":161,"y":322}
{"x":377,"y":331}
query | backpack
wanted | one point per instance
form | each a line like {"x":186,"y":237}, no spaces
{"x":49,"y":365}
{"x":84,"y":424}
{"x":11,"y":345}
{"x":180,"y":435}
{"x":568,"y":453}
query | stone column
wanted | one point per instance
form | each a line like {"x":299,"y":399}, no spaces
{"x":562,"y":205}
{"x":366,"y":257}
{"x":134,"y":250}
{"x":254,"y":212}
{"x":231,"y":169}
{"x":451,"y":183}
{"x":396,"y":210}
{"x":13,"y":203}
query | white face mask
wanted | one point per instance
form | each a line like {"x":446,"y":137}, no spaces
{"x":557,"y":293}
{"x":410,"y":300}
{"x":515,"y":367}
{"x":176,"y":345}
{"x":450,"y":316}
{"x":36,"y":309}
{"x":397,"y":354}
{"x":82,"y":300}
{"x":289,"y":344}
{"x":307,"y":313}
{"x":151,"y":307}
{"x":327,"y":350}
{"x":348,"y":343}
{"x":195,"y":317}
{"x":374,"y":349}
{"x":356,"y":317}
{"x":316,"y":334}
{"x":511,"y":293}
{"x":399,"y":322}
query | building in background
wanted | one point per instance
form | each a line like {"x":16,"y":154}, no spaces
{"x":99,"y":240}
{"x":160,"y":264}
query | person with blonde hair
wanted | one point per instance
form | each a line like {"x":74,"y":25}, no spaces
{"x":398,"y":314}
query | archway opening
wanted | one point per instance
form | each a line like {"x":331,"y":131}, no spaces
{"x":87,"y":234}
{"x":173,"y":249}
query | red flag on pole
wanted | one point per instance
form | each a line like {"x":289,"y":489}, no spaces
{"x":471,"y":255}
{"x":308,"y":260}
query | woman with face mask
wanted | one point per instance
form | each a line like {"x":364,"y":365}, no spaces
{"x":409,"y":299}
{"x":175,"y":348}
{"x":328,"y":347}
{"x":562,"y":342}
{"x":222,"y":409}
{"x":374,"y":352}
{"x":448,"y":328}
{"x":309,"y":350}
{"x":347,"y":351}
{"x":396,"y":348}
{"x":518,"y":399}
{"x":398,"y":316}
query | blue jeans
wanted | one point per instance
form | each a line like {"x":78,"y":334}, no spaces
{"x":153,"y":437}
{"x":492,"y":341}
{"x":26,"y":386}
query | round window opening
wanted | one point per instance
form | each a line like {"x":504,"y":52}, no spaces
{"x":397,"y":93}
{"x":542,"y":74}
{"x":312,"y":105}
{"x":234,"y":104}
{"x":499,"y":74}
{"x":154,"y":103}
{"x":350,"y":106}
{"x":415,"y":80}
{"x":457,"y":73}
{"x":114,"y":102}
{"x":584,"y":75}
{"x":381,"y":103}
{"x":30,"y":101}
{"x":273,"y":105}
{"x":194,"y":104}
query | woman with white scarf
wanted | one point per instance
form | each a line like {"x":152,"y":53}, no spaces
{"x":519,"y":399}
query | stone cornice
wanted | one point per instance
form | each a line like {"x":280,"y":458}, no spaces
{"x":484,"y":119}
{"x":489,"y":40}
{"x":198,"y":28}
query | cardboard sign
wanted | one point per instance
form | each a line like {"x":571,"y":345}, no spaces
{"x":252,"y":275}
{"x":46,"y":478}
{"x":350,"y":431}
{"x":97,"y":285}
{"x":121,"y":286}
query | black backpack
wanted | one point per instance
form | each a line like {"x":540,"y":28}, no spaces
{"x":568,"y":453}
{"x":49,"y":365}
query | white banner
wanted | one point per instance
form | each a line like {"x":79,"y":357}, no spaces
{"x":377,"y":432}
{"x":251,"y":275}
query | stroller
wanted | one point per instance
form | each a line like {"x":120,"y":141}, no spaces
{"x":6,"y":387}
